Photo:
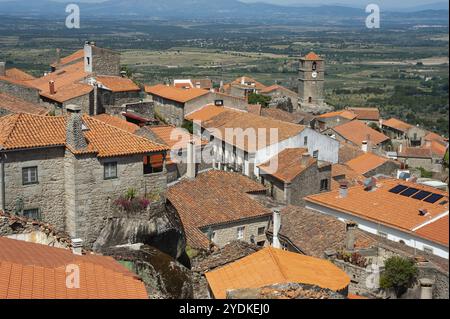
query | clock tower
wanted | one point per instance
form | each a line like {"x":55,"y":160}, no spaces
{"x":311,"y":82}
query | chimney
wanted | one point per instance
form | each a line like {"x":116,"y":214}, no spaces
{"x":243,"y":80}
{"x":75,"y":127}
{"x":343,"y":190}
{"x":365,"y":146}
{"x":305,"y":159}
{"x":350,"y":235}
{"x":51,"y":87}
{"x":2,"y":68}
{"x":191,"y":167}
{"x":276,"y":229}
{"x":58,"y":56}
{"x":77,"y":246}
{"x":400,"y":148}
{"x":123,"y":74}
{"x":426,"y":288}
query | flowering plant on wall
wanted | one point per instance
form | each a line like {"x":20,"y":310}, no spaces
{"x":131,"y":203}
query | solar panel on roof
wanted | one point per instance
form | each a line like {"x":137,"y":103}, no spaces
{"x":421,"y":195}
{"x":409,"y":192}
{"x":433,"y":198}
{"x":398,"y":189}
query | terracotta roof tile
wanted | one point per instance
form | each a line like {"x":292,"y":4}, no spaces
{"x":366,"y":113}
{"x":415,"y":152}
{"x":282,"y":115}
{"x":254,"y":109}
{"x":349,"y":115}
{"x":339,"y":171}
{"x":274,"y":266}
{"x":276,"y":87}
{"x":397,"y":124}
{"x":36,"y":271}
{"x":288,"y":163}
{"x":431,"y":136}
{"x":438,"y":149}
{"x":382,"y":206}
{"x":18,"y":75}
{"x":246,"y":79}
{"x":436,"y":231}
{"x":117,"y":122}
{"x":357,"y":132}
{"x":348,"y":152}
{"x":206,"y":113}
{"x":77,"y":55}
{"x":225,"y":201}
{"x":15,"y":105}
{"x":175,"y":136}
{"x":311,"y":56}
{"x":174,"y":93}
{"x":117,"y":83}
{"x":366,"y":163}
{"x":19,"y":131}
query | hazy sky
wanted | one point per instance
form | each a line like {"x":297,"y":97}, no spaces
{"x":358,"y":3}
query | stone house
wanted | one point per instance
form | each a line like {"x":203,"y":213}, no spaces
{"x":242,"y":87}
{"x":215,"y":209}
{"x":297,"y":175}
{"x":368,"y":115}
{"x":69,"y":171}
{"x":421,"y":157}
{"x":358,"y":134}
{"x":277,"y":91}
{"x":329,"y":120}
{"x":403,"y":133}
{"x":11,"y":104}
{"x":241,"y":141}
{"x":370,"y":164}
{"x":172,"y":103}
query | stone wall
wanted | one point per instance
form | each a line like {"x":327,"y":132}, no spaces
{"x":389,"y":168}
{"x":86,"y":102}
{"x":308,"y":183}
{"x":22,"y":92}
{"x":105,"y":61}
{"x":227,"y":233}
{"x":172,"y":112}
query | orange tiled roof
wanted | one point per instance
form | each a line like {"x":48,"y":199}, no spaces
{"x":281,"y":115}
{"x":77,"y":55}
{"x":366,"y":163}
{"x":384,"y":207}
{"x":233,"y":119}
{"x":357,"y":132}
{"x":437,"y":231}
{"x":213,"y":198}
{"x":174,"y":93}
{"x":19,"y":75}
{"x":118,"y":83}
{"x":173,"y":136}
{"x":416,"y":152}
{"x":438,"y":149}
{"x":117,"y":122}
{"x":33,"y":271}
{"x":311,"y":56}
{"x":397,"y":124}
{"x":366,"y":113}
{"x":431,"y":136}
{"x":343,"y":113}
{"x":254,"y":109}
{"x":19,"y":131}
{"x":206,"y":113}
{"x":288,"y":163}
{"x":342,"y":170}
{"x":247,"y":79}
{"x":16,"y":105}
{"x":276,"y":87}
{"x":275,"y":266}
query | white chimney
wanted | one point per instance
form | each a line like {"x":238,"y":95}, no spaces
{"x":400,"y":148}
{"x":2,"y":68}
{"x":243,"y":80}
{"x":276,"y":229}
{"x":343,"y":190}
{"x":365,"y":146}
{"x":350,"y":235}
{"x":426,"y":288}
{"x":305,"y":159}
{"x":77,"y":246}
{"x":191,"y":167}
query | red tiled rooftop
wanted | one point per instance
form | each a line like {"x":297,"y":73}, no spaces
{"x":357,"y":132}
{"x":33,"y":271}
{"x":117,"y":83}
{"x":397,"y":124}
{"x":174,"y":93}
{"x":366,"y":163}
{"x":16,"y":105}
{"x":366,"y":113}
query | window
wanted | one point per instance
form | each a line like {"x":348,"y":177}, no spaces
{"x":314,"y":66}
{"x":110,"y":170}
{"x":324,"y":185}
{"x":32,"y":214}
{"x":218,"y":102}
{"x":29,"y":175}
{"x":428,"y":250}
{"x":261,"y":243}
{"x":240,"y":233}
{"x":305,"y":140}
{"x":383,"y":235}
{"x":154,"y":164}
{"x":310,"y":100}
{"x":261,"y":231}
{"x":88,"y":60}
{"x":316,"y":154}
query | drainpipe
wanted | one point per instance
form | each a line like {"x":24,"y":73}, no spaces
{"x":2,"y":182}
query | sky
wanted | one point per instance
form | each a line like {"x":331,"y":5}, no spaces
{"x":354,"y":3}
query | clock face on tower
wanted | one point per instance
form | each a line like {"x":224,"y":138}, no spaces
{"x":314,"y":74}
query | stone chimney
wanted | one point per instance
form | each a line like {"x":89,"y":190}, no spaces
{"x":305,"y":159}
{"x":58,"y":56}
{"x":276,"y":229}
{"x":426,"y":288}
{"x":2,"y":68}
{"x":400,"y":148}
{"x":191,"y":167}
{"x":350,"y":235}
{"x":51,"y":87}
{"x":75,"y":127}
{"x":77,"y":246}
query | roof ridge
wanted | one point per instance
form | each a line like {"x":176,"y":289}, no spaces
{"x":15,"y":117}
{"x":275,"y":258}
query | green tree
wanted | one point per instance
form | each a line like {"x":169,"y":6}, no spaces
{"x":254,"y":98}
{"x":399,"y":274}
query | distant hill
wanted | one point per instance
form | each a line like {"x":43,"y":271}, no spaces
{"x":196,"y":9}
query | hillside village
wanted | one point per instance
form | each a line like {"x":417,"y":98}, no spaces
{"x":209,"y":189}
